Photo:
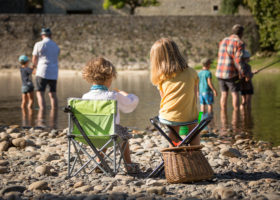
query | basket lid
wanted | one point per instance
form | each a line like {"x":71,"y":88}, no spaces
{"x":183,"y":148}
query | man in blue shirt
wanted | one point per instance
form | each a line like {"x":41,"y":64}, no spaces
{"x":206,"y":88}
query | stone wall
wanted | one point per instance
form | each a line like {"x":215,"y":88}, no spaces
{"x":125,"y":40}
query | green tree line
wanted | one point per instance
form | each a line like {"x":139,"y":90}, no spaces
{"x":267,"y":16}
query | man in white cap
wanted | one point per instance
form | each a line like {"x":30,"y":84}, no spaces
{"x":45,"y":58}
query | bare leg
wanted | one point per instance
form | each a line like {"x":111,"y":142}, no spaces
{"x":53,"y":99}
{"x":53,"y":118}
{"x":224,"y":120}
{"x":41,"y":99}
{"x":223,"y":100}
{"x":202,"y":108}
{"x":243,"y":101}
{"x":235,"y":100}
{"x":30,"y":99}
{"x":24,"y":100}
{"x":210,"y":108}
{"x":126,"y":153}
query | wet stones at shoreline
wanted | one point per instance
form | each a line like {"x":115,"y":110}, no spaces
{"x":33,"y":164}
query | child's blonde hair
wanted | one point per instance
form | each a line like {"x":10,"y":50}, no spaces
{"x":98,"y":71}
{"x":166,"y":60}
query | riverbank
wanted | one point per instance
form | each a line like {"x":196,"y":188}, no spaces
{"x":33,"y":165}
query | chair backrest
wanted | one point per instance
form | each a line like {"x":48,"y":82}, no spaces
{"x":96,"y":117}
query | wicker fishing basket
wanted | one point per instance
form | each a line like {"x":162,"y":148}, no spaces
{"x":186,"y":164}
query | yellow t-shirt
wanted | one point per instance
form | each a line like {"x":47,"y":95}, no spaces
{"x":178,"y":97}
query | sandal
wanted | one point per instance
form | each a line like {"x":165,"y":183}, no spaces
{"x":133,"y":168}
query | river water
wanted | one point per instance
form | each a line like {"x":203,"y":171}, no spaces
{"x":262,"y":123}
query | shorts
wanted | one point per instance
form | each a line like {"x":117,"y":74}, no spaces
{"x":42,"y":83}
{"x":206,"y":98}
{"x":27,"y":88}
{"x":171,"y":123}
{"x":244,"y":92}
{"x":232,"y":84}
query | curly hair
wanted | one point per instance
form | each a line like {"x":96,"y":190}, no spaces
{"x":98,"y":71}
{"x":166,"y":60}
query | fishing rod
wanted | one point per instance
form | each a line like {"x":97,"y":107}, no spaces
{"x":269,"y":65}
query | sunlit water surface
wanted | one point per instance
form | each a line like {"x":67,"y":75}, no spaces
{"x":263,"y":123}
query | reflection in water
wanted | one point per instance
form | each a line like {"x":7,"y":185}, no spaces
{"x":42,"y":118}
{"x":246,"y":119}
{"x":27,"y":115}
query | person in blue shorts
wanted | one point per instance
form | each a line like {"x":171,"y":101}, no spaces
{"x":206,"y":88}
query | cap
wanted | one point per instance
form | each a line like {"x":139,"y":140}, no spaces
{"x":46,"y":31}
{"x":23,"y":58}
{"x":206,"y":61}
{"x":246,"y":54}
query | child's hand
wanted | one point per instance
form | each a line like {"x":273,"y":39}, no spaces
{"x":215,"y":93}
{"x":247,"y":79}
{"x":116,"y":90}
{"x":120,"y":91}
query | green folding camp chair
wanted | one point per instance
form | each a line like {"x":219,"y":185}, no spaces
{"x":91,"y":130}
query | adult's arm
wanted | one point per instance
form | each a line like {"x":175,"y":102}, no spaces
{"x":34,"y":61}
{"x":239,"y":63}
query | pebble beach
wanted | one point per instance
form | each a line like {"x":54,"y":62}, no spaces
{"x":33,"y":165}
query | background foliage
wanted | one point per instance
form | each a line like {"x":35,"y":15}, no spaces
{"x":267,"y":16}
{"x":132,"y":4}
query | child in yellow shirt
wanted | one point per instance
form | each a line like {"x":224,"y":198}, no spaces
{"x":177,"y":84}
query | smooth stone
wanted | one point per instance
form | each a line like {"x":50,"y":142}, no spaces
{"x":49,"y":157}
{"x":14,"y":188}
{"x":4,"y":170}
{"x":4,"y":145}
{"x":4,"y":162}
{"x":16,"y":135}
{"x":230,"y":152}
{"x":79,"y":184}
{"x":19,"y":142}
{"x":221,"y":192}
{"x":38,"y":185}
{"x":85,"y":188}
{"x":44,"y":170}
{"x":272,"y":196}
{"x":156,"y":190}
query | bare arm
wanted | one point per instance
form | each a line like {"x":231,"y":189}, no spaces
{"x":34,"y":63}
{"x":209,"y":81}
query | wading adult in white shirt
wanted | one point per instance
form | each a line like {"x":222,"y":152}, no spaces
{"x":45,"y":58}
